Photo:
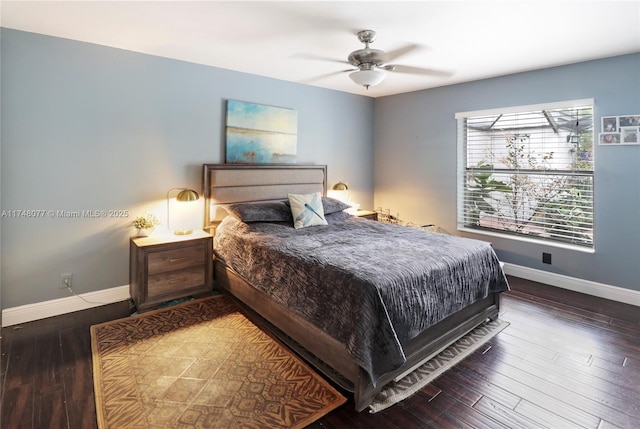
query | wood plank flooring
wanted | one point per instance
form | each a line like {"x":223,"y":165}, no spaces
{"x":567,"y":360}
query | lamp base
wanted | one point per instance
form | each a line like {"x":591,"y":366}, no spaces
{"x":183,"y":231}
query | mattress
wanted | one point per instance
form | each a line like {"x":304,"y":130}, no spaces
{"x":373,"y":286}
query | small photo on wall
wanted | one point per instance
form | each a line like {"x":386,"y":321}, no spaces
{"x":629,"y":135}
{"x":609,"y":138}
{"x":609,"y":124}
{"x":629,"y":121}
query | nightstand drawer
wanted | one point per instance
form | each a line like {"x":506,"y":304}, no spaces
{"x":169,"y":282}
{"x":176,"y":259}
{"x":164,"y":268}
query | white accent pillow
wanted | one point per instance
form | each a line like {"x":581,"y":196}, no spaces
{"x":307,"y":210}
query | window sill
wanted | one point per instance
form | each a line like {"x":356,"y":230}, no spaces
{"x":546,"y":243}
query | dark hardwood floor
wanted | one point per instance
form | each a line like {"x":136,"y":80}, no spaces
{"x":567,"y":360}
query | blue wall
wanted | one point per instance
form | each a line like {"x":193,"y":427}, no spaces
{"x":87,"y":127}
{"x":415,"y":161}
{"x":90,"y":127}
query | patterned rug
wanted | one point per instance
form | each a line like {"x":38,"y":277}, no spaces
{"x":436,"y":366}
{"x":201,"y":364}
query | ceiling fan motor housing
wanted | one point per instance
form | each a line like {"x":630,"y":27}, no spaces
{"x":367,"y":58}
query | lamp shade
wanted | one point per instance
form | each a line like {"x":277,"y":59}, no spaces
{"x":187,"y":195}
{"x":180,"y":216}
{"x":367,"y":78}
{"x":340,"y":186}
{"x":340,"y":191}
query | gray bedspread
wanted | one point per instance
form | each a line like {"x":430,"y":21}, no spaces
{"x":371,"y":285}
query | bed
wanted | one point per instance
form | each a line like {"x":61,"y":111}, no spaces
{"x":364,"y":302}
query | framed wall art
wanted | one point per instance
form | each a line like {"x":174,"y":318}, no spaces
{"x":609,"y":138}
{"x":629,"y":135}
{"x":609,"y":124}
{"x":259,"y":134}
{"x":620,"y":130}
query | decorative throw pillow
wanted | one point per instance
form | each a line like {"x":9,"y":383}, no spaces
{"x":274,"y":211}
{"x":330,"y":205}
{"x":307,"y":210}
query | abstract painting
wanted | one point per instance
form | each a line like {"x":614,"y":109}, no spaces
{"x":259,"y":134}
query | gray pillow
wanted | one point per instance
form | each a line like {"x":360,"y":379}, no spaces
{"x":271,"y":211}
{"x":337,"y":217}
{"x":330,"y":205}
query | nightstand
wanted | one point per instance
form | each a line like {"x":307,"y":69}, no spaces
{"x":367,"y":214}
{"x":163,"y":268}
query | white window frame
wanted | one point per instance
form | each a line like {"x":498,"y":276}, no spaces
{"x":462,"y":170}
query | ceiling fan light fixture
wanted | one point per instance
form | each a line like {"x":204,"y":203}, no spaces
{"x":367,"y":78}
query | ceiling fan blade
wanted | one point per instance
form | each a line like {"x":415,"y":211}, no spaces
{"x":317,"y":58}
{"x":417,"y":70}
{"x":324,"y":76}
{"x":399,"y":52}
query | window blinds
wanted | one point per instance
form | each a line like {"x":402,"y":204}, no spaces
{"x":528,"y":171}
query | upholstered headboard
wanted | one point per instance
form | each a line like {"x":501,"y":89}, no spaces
{"x":237,"y":183}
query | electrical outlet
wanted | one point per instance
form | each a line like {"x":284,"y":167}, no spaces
{"x":65,"y":280}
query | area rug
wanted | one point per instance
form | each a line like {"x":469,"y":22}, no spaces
{"x":395,"y":392}
{"x":201,"y":364}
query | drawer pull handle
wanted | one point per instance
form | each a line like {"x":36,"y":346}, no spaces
{"x":179,"y":280}
{"x":177,"y":260}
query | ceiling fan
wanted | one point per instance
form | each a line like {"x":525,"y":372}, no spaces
{"x":369,"y":61}
{"x":371,"y":64}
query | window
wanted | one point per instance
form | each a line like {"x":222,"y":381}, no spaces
{"x":528,"y":172}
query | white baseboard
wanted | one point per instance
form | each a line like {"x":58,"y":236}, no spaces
{"x":588,"y":287}
{"x":55,"y":307}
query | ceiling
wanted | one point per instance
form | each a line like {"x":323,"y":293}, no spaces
{"x":308,"y":41}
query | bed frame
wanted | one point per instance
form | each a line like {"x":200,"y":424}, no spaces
{"x":231,"y":183}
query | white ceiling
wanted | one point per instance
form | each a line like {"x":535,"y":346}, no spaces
{"x":468,"y":40}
